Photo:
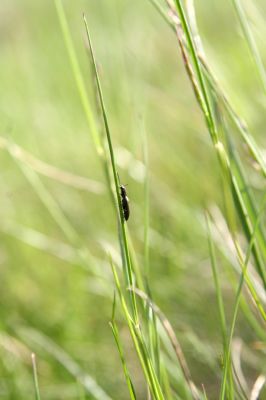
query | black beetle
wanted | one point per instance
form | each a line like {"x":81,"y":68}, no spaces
{"x":125,"y":202}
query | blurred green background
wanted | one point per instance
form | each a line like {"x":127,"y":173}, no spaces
{"x":45,"y":291}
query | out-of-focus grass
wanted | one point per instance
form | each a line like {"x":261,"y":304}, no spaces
{"x":143,"y":79}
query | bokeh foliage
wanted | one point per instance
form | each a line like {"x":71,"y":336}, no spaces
{"x":48,"y":289}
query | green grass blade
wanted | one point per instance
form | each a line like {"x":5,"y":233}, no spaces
{"x":251,"y":209}
{"x":237,"y":301}
{"x":128,"y":267}
{"x":166,"y":383}
{"x":57,"y":214}
{"x":49,"y":347}
{"x":205,"y":105}
{"x":78,"y":76}
{"x":248,"y":227}
{"x":173,"y":340}
{"x":120,"y":351}
{"x":218,"y":295}
{"x":240,"y":125}
{"x":139,"y":344}
{"x":172,"y":21}
{"x":154,"y":342}
{"x":216,"y":281}
{"x":237,"y":257}
{"x":96,"y":136}
{"x":35,"y":377}
{"x":162,"y":12}
{"x":204,"y":393}
{"x":210,"y":120}
{"x":252,"y":320}
{"x":214,"y":84}
{"x":244,"y":204}
{"x":250,"y":41}
{"x":123,"y":361}
{"x":50,"y":204}
{"x":146,"y":204}
{"x":50,"y":171}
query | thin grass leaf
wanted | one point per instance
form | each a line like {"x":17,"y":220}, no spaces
{"x":78,"y":76}
{"x":240,"y":389}
{"x":218,"y":292}
{"x":139,"y":344}
{"x":236,"y":259}
{"x":41,"y":241}
{"x":216,"y":281}
{"x":203,"y":100}
{"x":213,"y":82}
{"x":98,"y":141}
{"x":247,"y":209}
{"x":257,"y":387}
{"x":134,"y":262}
{"x":251,"y":209}
{"x":146,"y":203}
{"x":161,"y":10}
{"x":204,"y":393}
{"x":174,"y":342}
{"x":48,"y":346}
{"x":248,"y":229}
{"x":173,"y":22}
{"x":127,"y":266}
{"x":220,"y":150}
{"x":222,"y":156}
{"x":240,"y":125}
{"x":252,"y":320}
{"x":123,"y":361}
{"x":250,"y":41}
{"x":50,"y":171}
{"x":166,"y":383}
{"x":50,"y":204}
{"x":218,"y":145}
{"x":57,"y":214}
{"x":59,"y":249}
{"x":35,"y":377}
{"x":120,"y":351}
{"x":154,"y":342}
{"x":237,"y":301}
{"x":234,"y":189}
{"x":203,"y":94}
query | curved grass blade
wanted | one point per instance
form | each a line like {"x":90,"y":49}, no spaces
{"x":50,"y":171}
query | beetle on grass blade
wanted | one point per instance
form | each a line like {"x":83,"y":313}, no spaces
{"x":125,"y":202}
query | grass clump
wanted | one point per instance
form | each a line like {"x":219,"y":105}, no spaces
{"x":167,"y":252}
